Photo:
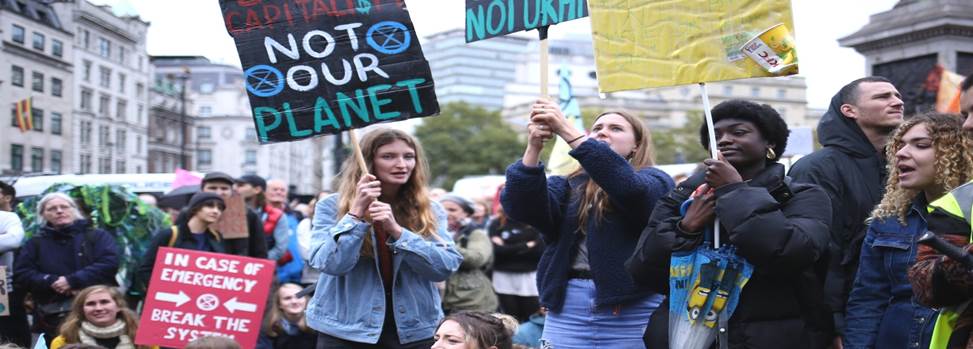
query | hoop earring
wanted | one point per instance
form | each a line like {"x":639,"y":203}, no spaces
{"x":771,"y":154}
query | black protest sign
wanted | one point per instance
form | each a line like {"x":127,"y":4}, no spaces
{"x":488,"y":18}
{"x":316,"y":67}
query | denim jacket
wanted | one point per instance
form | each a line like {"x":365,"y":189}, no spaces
{"x":349,"y":302}
{"x":882,"y":310}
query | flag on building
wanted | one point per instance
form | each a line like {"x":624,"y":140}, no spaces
{"x":24,"y":115}
{"x":947,"y":98}
{"x":561,"y":163}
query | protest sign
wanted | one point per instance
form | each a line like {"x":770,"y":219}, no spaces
{"x":489,"y":18}
{"x":4,"y":296}
{"x":646,"y":43}
{"x":195,"y":294}
{"x":325,"y":66}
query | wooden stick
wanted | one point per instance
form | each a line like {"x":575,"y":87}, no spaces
{"x":544,"y":59}
{"x":356,"y":151}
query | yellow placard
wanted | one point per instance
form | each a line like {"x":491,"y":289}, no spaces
{"x":651,"y":43}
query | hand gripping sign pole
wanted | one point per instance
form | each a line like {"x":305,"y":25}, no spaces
{"x":713,"y":152}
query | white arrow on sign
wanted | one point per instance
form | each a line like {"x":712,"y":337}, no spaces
{"x":179,"y":299}
{"x":233,"y":305}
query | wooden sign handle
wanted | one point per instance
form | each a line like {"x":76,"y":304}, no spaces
{"x":356,"y":151}
{"x":544,"y":59}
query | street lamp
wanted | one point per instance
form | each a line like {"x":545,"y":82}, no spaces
{"x":183,"y":157}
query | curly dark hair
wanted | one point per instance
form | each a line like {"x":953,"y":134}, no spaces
{"x":482,"y":329}
{"x":771,"y":126}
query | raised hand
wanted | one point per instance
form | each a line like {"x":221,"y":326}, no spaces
{"x":720,"y":172}
{"x":383,"y":218}
{"x":369,"y":189}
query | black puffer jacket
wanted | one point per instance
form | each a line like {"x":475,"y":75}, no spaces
{"x":853,"y":175}
{"x":779,"y":227}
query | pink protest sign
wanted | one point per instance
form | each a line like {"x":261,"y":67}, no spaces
{"x":196,"y":294}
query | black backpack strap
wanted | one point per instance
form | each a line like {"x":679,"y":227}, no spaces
{"x":88,"y":246}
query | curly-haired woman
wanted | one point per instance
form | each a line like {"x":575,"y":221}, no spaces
{"x":928,"y":155}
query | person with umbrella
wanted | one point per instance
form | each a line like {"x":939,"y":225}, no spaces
{"x":590,"y":221}
{"x":779,"y":227}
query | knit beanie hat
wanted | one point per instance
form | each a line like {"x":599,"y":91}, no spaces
{"x":463,"y":203}
{"x":203,"y":197}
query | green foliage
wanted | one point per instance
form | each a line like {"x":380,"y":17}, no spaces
{"x":113,"y":209}
{"x":467,"y":140}
{"x":684,"y":140}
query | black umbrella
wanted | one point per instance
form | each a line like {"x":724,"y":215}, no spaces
{"x":179,"y":197}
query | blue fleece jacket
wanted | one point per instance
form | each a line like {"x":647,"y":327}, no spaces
{"x":551,"y":206}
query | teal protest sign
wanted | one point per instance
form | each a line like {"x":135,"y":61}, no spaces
{"x":489,"y":18}
{"x":326,"y":66}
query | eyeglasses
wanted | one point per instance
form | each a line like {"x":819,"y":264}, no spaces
{"x":57,"y":208}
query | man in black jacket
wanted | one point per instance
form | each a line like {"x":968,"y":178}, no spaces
{"x":851,"y":169}
{"x":254,"y":245}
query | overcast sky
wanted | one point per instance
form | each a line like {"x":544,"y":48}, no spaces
{"x":194,"y":27}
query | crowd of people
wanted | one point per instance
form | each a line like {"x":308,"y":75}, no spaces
{"x":574,"y":261}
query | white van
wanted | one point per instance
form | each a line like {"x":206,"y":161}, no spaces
{"x":155,"y":183}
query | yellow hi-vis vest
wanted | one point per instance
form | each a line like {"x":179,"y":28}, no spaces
{"x":959,"y":203}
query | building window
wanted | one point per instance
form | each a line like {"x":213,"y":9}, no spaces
{"x":138,"y":113}
{"x":103,"y":133}
{"x":139,"y":90}
{"x":205,"y":157}
{"x":38,"y":83}
{"x":38,"y":41}
{"x":56,"y":120}
{"x":121,"y":137}
{"x":755,"y":91}
{"x":18,"y":34}
{"x":87,"y":71}
{"x":86,"y":100}
{"x":121,"y":110}
{"x":56,"y":87}
{"x":103,"y":105}
{"x":17,"y":76}
{"x":56,"y":161}
{"x":104,"y":79}
{"x":57,"y":48}
{"x":205,"y":110}
{"x":728,"y":90}
{"x":121,"y":55}
{"x":85,"y":39}
{"x":17,"y":158}
{"x":138,"y":145}
{"x":120,"y":166}
{"x":85,"y":163}
{"x":104,"y":47}
{"x":36,"y":159}
{"x":781,"y":93}
{"x":250,"y":157}
{"x":85,"y":132}
{"x":121,"y":82}
{"x":251,"y":134}
{"x":37,"y":119}
{"x":104,"y":165}
{"x":203,"y":132}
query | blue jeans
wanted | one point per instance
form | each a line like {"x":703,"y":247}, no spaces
{"x":581,"y":324}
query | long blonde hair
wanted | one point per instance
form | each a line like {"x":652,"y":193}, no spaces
{"x":591,"y":194}
{"x":953,"y":164}
{"x":271,"y":325}
{"x":71,"y":327}
{"x":412,"y":208}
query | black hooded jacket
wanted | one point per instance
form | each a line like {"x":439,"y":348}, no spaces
{"x":853,"y":174}
{"x":777,"y":226}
